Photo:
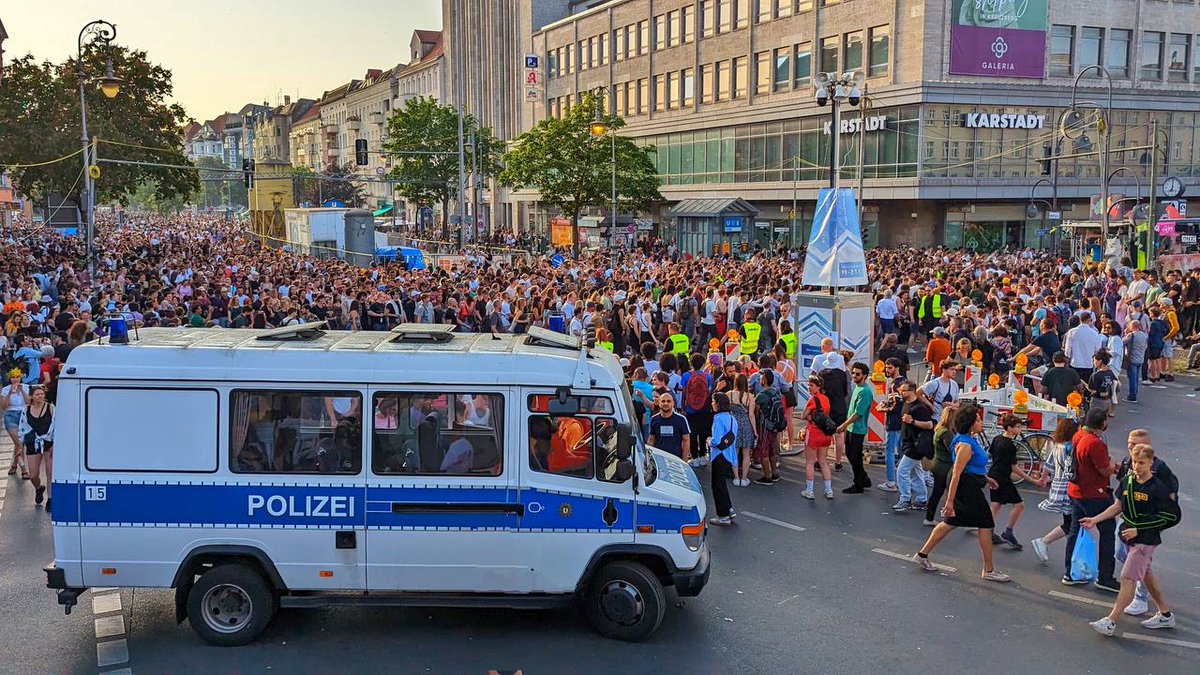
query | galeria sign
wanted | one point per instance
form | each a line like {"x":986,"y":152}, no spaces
{"x":1003,"y":121}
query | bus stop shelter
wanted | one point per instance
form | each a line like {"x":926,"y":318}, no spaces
{"x":713,"y":226}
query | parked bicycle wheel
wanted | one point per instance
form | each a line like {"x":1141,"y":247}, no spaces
{"x":1031,"y":452}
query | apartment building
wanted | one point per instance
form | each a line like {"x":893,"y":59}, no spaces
{"x":963,"y":102}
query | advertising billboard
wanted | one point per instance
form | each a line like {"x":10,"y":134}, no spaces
{"x":998,"y":38}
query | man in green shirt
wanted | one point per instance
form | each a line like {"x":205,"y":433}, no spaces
{"x":856,"y":424}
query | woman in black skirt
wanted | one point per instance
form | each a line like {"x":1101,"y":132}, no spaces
{"x":966,"y":505}
{"x":1004,"y":467}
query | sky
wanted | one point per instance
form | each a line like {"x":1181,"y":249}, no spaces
{"x":226,"y":53}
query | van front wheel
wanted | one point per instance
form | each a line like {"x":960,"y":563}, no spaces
{"x":230,"y":605}
{"x":625,"y":601}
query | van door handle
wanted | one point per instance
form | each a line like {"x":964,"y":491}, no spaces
{"x":345,"y":539}
{"x":461,"y":508}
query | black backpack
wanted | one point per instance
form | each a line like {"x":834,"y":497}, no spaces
{"x":774,"y":417}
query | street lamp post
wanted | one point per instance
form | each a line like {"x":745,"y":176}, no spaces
{"x":833,"y":89}
{"x":98,"y":31}
{"x":599,"y":127}
{"x":1073,"y":120}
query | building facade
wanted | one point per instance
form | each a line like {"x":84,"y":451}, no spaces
{"x":963,"y":102}
{"x":272,"y":128}
{"x":304,"y":141}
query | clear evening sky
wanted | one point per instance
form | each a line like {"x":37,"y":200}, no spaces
{"x":226,"y":53}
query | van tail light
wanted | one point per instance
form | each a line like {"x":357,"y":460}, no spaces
{"x":693,"y":536}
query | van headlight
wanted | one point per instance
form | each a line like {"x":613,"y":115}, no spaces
{"x":693,"y":536}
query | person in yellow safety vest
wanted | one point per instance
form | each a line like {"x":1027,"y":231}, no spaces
{"x":679,"y":343}
{"x":788,"y":337}
{"x":752,"y":330}
{"x":603,"y":339}
{"x":929,"y":309}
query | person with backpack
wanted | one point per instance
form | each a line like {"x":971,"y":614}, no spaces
{"x":855,"y":427}
{"x":13,"y":398}
{"x":1146,"y":509}
{"x":722,"y":455}
{"x":1088,"y":488}
{"x":1057,"y":469}
{"x":818,"y":436}
{"x":769,"y":405}
{"x":697,"y":405}
{"x":916,"y":444}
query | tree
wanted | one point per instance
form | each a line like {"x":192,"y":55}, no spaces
{"x":572,"y":169}
{"x":215,"y":178}
{"x":145,"y":198}
{"x":339,"y":183}
{"x":430,"y":130}
{"x":40,"y":122}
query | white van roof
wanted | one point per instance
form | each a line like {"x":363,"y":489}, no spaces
{"x":358,"y":357}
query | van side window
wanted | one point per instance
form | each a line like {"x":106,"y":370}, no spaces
{"x":606,"y":449}
{"x":437,"y":434}
{"x":295,"y":432}
{"x":561,"y":445}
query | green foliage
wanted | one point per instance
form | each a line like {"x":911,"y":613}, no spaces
{"x":338,"y":182}
{"x":40,"y":121}
{"x":423,"y":125}
{"x":145,"y":197}
{"x":571,"y":168}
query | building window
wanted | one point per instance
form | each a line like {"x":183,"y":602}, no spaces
{"x":284,"y":431}
{"x":619,"y":99}
{"x":1196,"y":61}
{"x":619,"y":43}
{"x":1091,"y":46}
{"x":742,"y":14}
{"x":643,"y":37}
{"x":708,"y":16}
{"x":643,"y":96}
{"x":802,"y":56}
{"x":437,"y":434}
{"x":570,"y":58}
{"x":602,"y":46}
{"x":672,"y":84}
{"x":688,"y":81}
{"x":741,"y":80}
{"x":687,"y":17}
{"x":765,"y":11}
{"x":1119,"y":42}
{"x":783,"y":68}
{"x":1062,"y":49}
{"x":804,"y":6}
{"x":762,"y":73}
{"x":724,"y":81}
{"x":1152,"y":52}
{"x":660,"y":93}
{"x":708,"y":83}
{"x":674,"y":29}
{"x":724,"y":16}
{"x":826,"y":3}
{"x":854,"y":51}
{"x":585,"y":54}
{"x":784,"y":8}
{"x":1177,"y":57}
{"x":660,"y":32}
{"x":829,"y":54}
{"x":877,"y":63}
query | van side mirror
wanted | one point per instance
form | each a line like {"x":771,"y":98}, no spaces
{"x":624,"y":471}
{"x":624,"y":441}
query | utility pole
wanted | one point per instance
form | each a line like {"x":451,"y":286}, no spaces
{"x":457,"y":55}
{"x":1152,"y":214}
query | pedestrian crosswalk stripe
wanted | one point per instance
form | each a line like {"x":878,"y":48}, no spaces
{"x":1079,"y":598}
{"x":908,"y":558}
{"x":1164,"y":641}
{"x":772,"y":521}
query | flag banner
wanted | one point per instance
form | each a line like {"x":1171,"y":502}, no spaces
{"x":835,"y":249}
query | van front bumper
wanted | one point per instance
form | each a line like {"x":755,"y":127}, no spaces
{"x":689,"y":583}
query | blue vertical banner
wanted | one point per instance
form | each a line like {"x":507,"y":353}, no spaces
{"x":835,"y":249}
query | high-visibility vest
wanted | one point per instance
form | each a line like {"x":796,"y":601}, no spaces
{"x":937,"y":306}
{"x":606,"y":345}
{"x":789,"y":344}
{"x":679,"y":343}
{"x":750,"y":342}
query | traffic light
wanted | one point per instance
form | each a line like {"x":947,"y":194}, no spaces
{"x":248,"y":172}
{"x":1047,"y":153}
{"x":360,"y":151}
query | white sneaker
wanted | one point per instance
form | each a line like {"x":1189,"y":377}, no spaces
{"x":808,"y":494}
{"x":929,"y":523}
{"x":1159,"y":621}
{"x":829,"y":494}
{"x":925,"y":563}
{"x":1138,"y":608}
{"x":1039,"y":549}
{"x":717,"y":520}
{"x":889,"y":486}
{"x":1104,"y":626}
{"x":995,"y":575}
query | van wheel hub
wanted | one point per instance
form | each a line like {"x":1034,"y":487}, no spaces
{"x":226,"y":608}
{"x":622,"y":603}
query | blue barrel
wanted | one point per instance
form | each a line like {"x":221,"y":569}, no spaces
{"x":556,"y":322}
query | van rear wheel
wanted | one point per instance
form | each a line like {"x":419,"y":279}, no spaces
{"x":230,"y":605}
{"x":625,"y":601}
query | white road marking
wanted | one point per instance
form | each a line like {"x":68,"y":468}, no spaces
{"x":118,"y":671}
{"x":112,"y":653}
{"x":1080,"y":598}
{"x":110,"y":626}
{"x":1182,"y":497}
{"x":110,"y":623}
{"x":772,"y":521}
{"x":1163,"y":641}
{"x":908,"y":559}
{"x":108,"y":602}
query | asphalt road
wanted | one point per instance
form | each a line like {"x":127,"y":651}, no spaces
{"x":797,"y":587}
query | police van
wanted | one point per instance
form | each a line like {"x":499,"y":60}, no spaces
{"x":255,"y":470}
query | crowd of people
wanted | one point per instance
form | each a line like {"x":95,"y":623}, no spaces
{"x":710,"y":353}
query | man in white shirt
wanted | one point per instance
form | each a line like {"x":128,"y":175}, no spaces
{"x":1081,"y":344}
{"x":886,"y":310}
{"x":1138,"y":288}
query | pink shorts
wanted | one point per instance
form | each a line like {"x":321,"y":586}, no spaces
{"x":1137,"y":562}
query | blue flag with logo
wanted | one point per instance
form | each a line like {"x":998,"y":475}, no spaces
{"x":835,"y":249}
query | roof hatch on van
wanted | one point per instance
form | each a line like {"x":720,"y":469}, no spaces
{"x":423,"y":332}
{"x":549,"y":338}
{"x":302,"y":331}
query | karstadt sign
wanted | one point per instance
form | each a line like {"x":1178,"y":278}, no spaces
{"x":977,"y":120}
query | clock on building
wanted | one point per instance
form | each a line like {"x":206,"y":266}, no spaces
{"x":1172,"y":187}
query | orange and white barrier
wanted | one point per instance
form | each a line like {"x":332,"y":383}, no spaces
{"x":973,"y":380}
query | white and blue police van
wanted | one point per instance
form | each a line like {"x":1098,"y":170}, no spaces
{"x":299,"y":467}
